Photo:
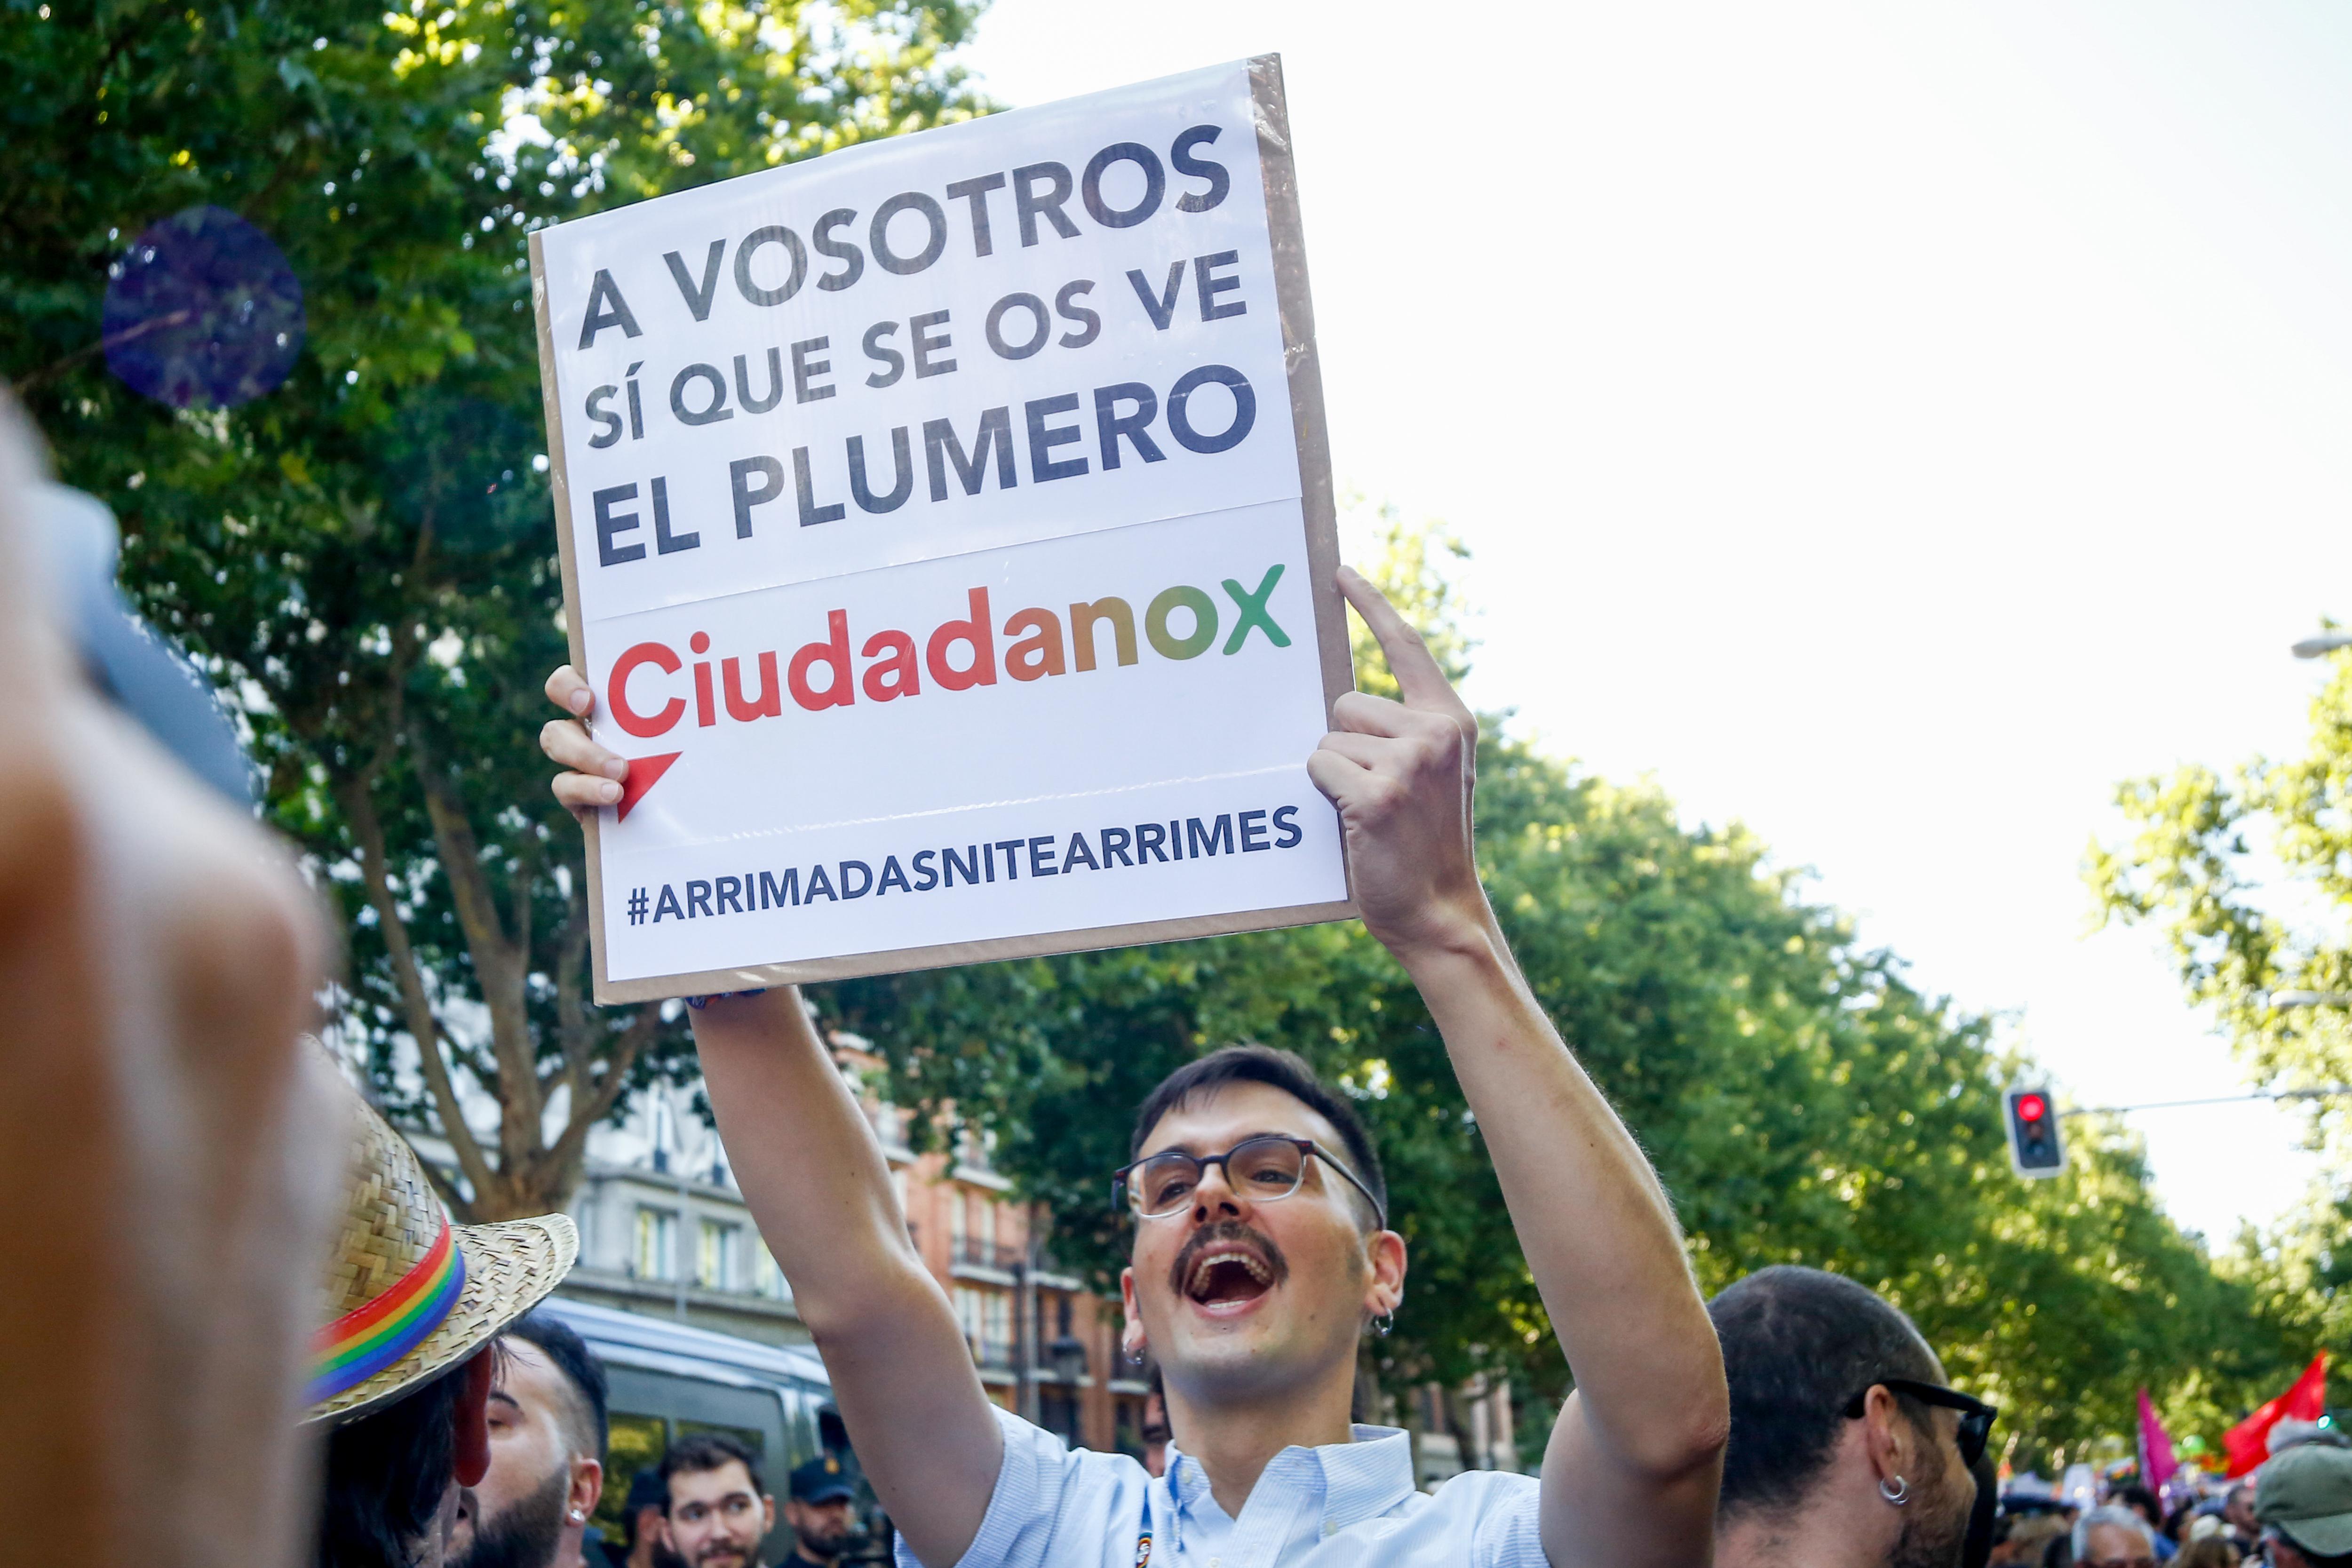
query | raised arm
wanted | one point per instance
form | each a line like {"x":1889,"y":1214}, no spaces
{"x":1630,"y":1475}
{"x":819,"y":1189}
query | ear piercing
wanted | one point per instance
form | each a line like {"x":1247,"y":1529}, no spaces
{"x":1898,"y":1493}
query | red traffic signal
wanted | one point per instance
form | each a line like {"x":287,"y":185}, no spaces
{"x":2035,"y":1148}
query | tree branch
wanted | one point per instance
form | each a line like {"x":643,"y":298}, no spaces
{"x":357,"y":799}
{"x":501,"y":966}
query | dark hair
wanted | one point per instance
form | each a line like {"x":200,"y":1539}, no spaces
{"x":646,"y":1489}
{"x":563,"y":1346}
{"x":2343,"y":1559}
{"x":1284,"y":1071}
{"x":386,"y":1475}
{"x":699,"y":1451}
{"x":1797,"y":1346}
{"x":2141,"y":1501}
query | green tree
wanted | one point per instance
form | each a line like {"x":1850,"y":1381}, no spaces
{"x":2245,"y":875}
{"x":363,"y":559}
{"x":1802,"y":1102}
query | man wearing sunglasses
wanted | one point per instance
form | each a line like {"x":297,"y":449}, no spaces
{"x":1847,"y":1451}
{"x":1261,"y":1251}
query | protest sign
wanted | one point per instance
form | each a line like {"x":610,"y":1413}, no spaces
{"x":946,"y":533}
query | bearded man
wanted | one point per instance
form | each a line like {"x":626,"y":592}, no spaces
{"x":1262,"y":1249}
{"x":719,"y":1510}
{"x":1847,"y":1451}
{"x":547,"y":1427}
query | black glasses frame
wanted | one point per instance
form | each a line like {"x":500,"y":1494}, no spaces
{"x":1976,"y":1416}
{"x":1123,"y":1196}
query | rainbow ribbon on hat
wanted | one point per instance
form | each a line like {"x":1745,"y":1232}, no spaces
{"x":366,"y":1340}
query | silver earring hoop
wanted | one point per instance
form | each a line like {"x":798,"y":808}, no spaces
{"x":1898,"y":1494}
{"x":1383,"y":1323}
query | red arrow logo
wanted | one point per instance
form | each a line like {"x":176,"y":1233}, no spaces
{"x":643,"y":773}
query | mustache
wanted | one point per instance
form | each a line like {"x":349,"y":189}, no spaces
{"x":1224,"y":1230}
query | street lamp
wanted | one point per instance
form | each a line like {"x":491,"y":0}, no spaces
{"x":1068,"y":1355}
{"x":2325,"y":643}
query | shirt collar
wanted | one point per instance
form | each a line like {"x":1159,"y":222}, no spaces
{"x":1362,"y":1478}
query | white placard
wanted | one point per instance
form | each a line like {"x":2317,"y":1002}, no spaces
{"x":947,"y":534}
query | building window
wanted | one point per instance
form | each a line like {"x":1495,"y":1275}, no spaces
{"x":766,"y":1277}
{"x":714,"y":1259}
{"x":956,"y":1219}
{"x":988,"y":1229}
{"x":657,"y":1257}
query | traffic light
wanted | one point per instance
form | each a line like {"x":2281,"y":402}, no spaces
{"x":2035,"y":1148}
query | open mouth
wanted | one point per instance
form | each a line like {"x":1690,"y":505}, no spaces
{"x":1228,"y":1269}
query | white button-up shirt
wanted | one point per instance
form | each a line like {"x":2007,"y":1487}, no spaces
{"x":1343,"y":1505}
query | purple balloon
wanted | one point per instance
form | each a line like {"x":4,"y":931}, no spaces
{"x":202,"y":310}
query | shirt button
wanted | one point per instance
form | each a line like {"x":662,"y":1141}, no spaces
{"x":1330,"y":1527}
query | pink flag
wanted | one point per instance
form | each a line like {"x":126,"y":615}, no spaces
{"x":2156,"y":1461}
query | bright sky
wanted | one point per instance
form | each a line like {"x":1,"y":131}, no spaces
{"x":1889,"y":427}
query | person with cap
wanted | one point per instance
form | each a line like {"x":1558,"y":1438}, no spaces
{"x":822,"y":1508}
{"x":401,"y":1374}
{"x":2302,"y":1505}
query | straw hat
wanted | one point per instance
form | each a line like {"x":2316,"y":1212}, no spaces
{"x":409,"y":1294}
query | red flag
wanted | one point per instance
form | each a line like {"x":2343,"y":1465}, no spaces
{"x":2156,"y":1464}
{"x":2249,"y":1442}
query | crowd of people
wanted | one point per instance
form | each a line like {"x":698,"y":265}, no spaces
{"x":175,"y":1359}
{"x":2294,"y":1511}
{"x":482,"y":1442}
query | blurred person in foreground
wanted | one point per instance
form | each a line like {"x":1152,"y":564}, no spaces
{"x":719,"y":1510}
{"x":2114,"y":1536}
{"x":645,"y":1535}
{"x":403,"y":1373}
{"x":167,"y":1153}
{"x":547,"y":1433}
{"x":2303,"y":1506}
{"x":1847,"y":1451}
{"x":1261,"y":1254}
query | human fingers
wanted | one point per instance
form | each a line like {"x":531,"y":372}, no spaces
{"x":570,"y":692}
{"x":1364,"y":750}
{"x":1417,"y":675}
{"x":1366,"y":714}
{"x":1337,"y":776}
{"x":581,"y":792}
{"x":566,"y":744}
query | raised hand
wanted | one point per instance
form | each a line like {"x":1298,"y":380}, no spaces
{"x":1401,"y":774}
{"x":592,"y":776}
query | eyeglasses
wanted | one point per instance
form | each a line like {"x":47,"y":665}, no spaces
{"x":1976,"y":1416}
{"x":1266,"y":1167}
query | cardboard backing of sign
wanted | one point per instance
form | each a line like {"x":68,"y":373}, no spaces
{"x":1279,"y":181}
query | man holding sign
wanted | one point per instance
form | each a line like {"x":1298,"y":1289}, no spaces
{"x":1261,"y":1250}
